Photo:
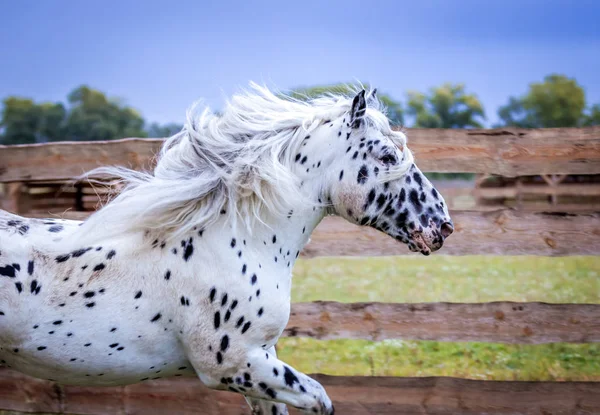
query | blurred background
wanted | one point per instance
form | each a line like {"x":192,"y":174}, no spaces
{"x":94,"y":70}
{"x":90,"y":70}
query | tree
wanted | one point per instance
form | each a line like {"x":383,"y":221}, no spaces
{"x":593,"y":118}
{"x":92,"y":116}
{"x":23,"y":121}
{"x":393,"y":108}
{"x":155,"y":130}
{"x":20,"y":121}
{"x":447,"y":106}
{"x":89,"y":115}
{"x":52,"y":119}
{"x":558,"y":101}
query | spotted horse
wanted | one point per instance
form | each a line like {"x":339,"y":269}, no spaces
{"x":188,"y":271}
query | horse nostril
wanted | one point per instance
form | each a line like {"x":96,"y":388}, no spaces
{"x":446,"y":229}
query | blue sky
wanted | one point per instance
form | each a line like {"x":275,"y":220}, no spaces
{"x":161,"y":56}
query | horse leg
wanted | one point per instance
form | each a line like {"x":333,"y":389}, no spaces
{"x":258,"y":374}
{"x":263,"y":407}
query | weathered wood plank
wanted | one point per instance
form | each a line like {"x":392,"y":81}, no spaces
{"x":544,"y":190}
{"x":66,"y":160}
{"x":508,"y":152}
{"x":500,"y":232}
{"x":533,"y":206}
{"x":498,"y":322}
{"x":351,"y":396}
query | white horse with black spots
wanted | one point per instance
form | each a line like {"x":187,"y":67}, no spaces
{"x":188,"y":270}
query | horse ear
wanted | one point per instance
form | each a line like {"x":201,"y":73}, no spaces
{"x":359,"y":107}
{"x":372,"y":95}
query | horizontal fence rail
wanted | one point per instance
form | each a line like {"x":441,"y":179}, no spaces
{"x":350,"y":395}
{"x":498,"y":322}
{"x":507,"y":152}
{"x":541,"y":190}
{"x":500,"y":232}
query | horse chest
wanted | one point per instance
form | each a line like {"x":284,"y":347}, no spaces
{"x":272,"y":318}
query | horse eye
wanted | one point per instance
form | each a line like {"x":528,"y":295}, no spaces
{"x":388,"y":159}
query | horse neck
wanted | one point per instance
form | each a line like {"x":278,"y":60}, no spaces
{"x":292,"y":231}
{"x":278,"y":240}
{"x":285,"y":237}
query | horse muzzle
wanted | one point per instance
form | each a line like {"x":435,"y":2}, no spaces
{"x":430,"y":239}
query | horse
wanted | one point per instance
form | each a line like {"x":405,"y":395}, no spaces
{"x":188,"y":270}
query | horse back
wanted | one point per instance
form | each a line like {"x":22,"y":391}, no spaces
{"x":24,"y":243}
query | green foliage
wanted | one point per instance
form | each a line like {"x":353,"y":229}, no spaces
{"x":156,"y":130}
{"x":20,"y":121}
{"x":53,"y":115}
{"x":25,"y":122}
{"x":394,"y":109}
{"x":90,"y":115}
{"x":447,"y":106}
{"x":558,"y":101}
{"x":593,"y":118}
{"x":93,"y":116}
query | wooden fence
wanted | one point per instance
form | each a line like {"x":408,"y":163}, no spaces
{"x":506,"y":152}
{"x":505,"y":232}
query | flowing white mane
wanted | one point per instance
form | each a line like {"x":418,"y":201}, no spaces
{"x":237,"y":163}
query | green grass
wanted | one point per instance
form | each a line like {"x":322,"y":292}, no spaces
{"x":446,"y":278}
{"x":456,"y":279}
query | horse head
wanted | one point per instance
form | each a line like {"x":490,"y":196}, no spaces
{"x":372,"y":179}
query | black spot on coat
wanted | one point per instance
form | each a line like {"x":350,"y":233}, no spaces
{"x":80,"y":252}
{"x":35,"y":288}
{"x":188,"y":249}
{"x":8,"y":271}
{"x":363,"y":175}
{"x":224,"y":343}
{"x":418,"y":178}
{"x":289,"y":377}
{"x":239,"y":322}
{"x":62,"y":258}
